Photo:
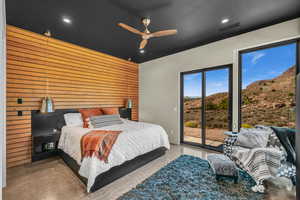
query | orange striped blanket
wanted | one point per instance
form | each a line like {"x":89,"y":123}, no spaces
{"x":98,"y":143}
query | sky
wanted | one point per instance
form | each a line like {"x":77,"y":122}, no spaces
{"x":257,"y":65}
{"x":267,"y":63}
{"x":216,"y":81}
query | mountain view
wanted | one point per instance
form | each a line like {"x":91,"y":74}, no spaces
{"x":268,"y":102}
{"x":268,"y":94}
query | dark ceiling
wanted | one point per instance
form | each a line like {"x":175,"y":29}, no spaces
{"x":198,"y":21}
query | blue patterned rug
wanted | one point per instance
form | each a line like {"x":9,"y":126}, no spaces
{"x":189,"y":177}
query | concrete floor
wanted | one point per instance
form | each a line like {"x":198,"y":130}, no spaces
{"x":51,"y":179}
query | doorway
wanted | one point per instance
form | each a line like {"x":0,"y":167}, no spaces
{"x":206,"y":108}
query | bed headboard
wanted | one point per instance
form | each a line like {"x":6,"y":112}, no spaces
{"x":45,"y":123}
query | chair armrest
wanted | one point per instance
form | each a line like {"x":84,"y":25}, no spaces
{"x":230,"y":133}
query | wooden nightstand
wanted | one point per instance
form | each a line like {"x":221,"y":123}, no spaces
{"x":45,"y":145}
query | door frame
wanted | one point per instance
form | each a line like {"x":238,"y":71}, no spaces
{"x":203,"y":122}
{"x":2,"y":95}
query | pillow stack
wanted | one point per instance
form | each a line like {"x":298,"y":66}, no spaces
{"x":104,"y":120}
{"x":87,"y":113}
{"x":100,"y":117}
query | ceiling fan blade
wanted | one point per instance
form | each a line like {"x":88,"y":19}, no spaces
{"x":131,"y":29}
{"x":164,"y":33}
{"x":143,"y":44}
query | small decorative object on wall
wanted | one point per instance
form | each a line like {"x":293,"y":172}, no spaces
{"x":47,"y":33}
{"x":50,"y":106}
{"x":43,"y":106}
{"x":47,"y":105}
{"x":129,"y":103}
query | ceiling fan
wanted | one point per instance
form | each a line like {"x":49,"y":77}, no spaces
{"x":146,"y":35}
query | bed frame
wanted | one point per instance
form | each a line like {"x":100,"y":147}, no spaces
{"x":115,"y":172}
{"x":47,"y":122}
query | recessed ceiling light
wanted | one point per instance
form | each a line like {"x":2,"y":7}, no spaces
{"x":225,"y":20}
{"x":67,"y":20}
{"x":142,"y":50}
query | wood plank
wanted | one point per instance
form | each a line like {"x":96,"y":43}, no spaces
{"x":18,"y":131}
{"x":18,"y":163}
{"x":75,"y":58}
{"x":27,"y":148}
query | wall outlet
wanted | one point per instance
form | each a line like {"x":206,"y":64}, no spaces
{"x":172,"y":132}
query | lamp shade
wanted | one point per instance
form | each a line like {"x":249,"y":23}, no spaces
{"x":47,"y":105}
{"x":129,"y":103}
{"x":50,"y":105}
{"x":43,"y":108}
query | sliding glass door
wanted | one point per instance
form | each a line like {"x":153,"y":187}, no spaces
{"x":192,"y":107}
{"x":206,"y":106}
{"x":217,"y":104}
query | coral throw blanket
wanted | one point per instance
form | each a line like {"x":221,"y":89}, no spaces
{"x":98,"y":143}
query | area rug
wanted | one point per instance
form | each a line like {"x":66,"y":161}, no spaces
{"x":191,"y":178}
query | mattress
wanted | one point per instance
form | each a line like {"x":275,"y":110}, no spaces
{"x":137,"y":138}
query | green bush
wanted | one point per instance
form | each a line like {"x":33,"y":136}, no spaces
{"x":247,"y":126}
{"x":211,"y":106}
{"x":246,"y":100}
{"x":224,"y":104}
{"x":191,"y":124}
{"x":291,"y":94}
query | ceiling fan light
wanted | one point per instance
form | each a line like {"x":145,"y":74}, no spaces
{"x":225,"y":20}
{"x":67,"y":20}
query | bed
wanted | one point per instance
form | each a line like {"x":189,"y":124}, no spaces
{"x":138,"y":144}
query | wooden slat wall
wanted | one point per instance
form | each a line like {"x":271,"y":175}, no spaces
{"x":76,"y":77}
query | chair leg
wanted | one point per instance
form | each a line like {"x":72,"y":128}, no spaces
{"x":236,"y":178}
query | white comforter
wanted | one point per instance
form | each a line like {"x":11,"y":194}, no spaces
{"x":137,"y":138}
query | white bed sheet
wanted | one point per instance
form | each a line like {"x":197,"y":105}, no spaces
{"x":137,"y":138}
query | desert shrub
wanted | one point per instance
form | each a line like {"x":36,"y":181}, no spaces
{"x":247,"y":126}
{"x":196,"y":108}
{"x":246,"y":100}
{"x":211,"y":106}
{"x":187,"y":99}
{"x":191,"y":124}
{"x":291,"y":94}
{"x":223,"y":104}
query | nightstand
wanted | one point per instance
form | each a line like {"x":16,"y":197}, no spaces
{"x":45,"y":145}
{"x":125,"y":113}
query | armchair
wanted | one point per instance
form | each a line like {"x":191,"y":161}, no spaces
{"x":277,"y":158}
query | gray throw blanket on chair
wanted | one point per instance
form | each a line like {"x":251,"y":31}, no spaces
{"x":260,"y":163}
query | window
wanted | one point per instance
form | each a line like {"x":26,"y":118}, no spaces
{"x":268,"y":86}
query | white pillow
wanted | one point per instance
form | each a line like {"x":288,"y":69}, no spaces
{"x":252,"y":138}
{"x":73,"y":119}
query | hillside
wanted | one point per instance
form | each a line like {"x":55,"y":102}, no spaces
{"x":267,"y":102}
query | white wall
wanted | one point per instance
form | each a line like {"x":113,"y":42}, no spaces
{"x":159,"y":78}
{"x":2,"y":95}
